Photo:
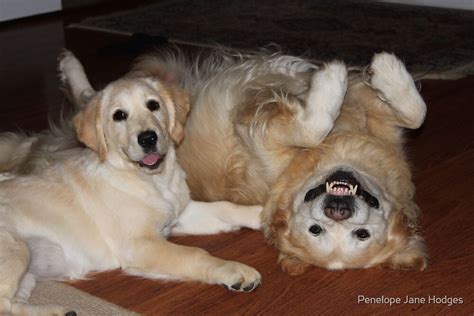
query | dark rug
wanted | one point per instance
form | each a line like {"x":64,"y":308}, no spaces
{"x":428,"y":40}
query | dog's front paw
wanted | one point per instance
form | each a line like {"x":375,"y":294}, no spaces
{"x":328,"y":88}
{"x":389,"y":76}
{"x":237,"y":276}
{"x":323,"y":104}
{"x":394,"y":85}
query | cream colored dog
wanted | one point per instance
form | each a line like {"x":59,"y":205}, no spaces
{"x":112,"y":205}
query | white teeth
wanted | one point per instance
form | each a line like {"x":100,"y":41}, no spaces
{"x":353,"y":189}
{"x":341,"y":190}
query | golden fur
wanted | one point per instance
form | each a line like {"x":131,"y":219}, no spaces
{"x":243,"y":144}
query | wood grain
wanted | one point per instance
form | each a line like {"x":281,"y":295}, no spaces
{"x":442,"y":155}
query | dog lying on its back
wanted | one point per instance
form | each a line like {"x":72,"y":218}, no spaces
{"x":320,"y":147}
{"x":113,"y":204}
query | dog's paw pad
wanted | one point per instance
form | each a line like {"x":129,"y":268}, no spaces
{"x":250,"y":288}
{"x":236,"y":286}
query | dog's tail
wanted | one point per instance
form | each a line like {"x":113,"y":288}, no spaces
{"x":169,"y":65}
{"x":185,"y":69}
{"x":22,"y":153}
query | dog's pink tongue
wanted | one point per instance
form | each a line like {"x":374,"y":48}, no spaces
{"x":151,"y":159}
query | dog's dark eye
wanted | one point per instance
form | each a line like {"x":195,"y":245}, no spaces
{"x":120,"y":115}
{"x":362,"y":234}
{"x":152,"y":105}
{"x":315,"y":230}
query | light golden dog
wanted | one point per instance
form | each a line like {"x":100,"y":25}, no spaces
{"x":321,"y":149}
{"x":112,"y":205}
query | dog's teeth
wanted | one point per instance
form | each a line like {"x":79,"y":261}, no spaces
{"x":351,"y":189}
{"x":354,"y":190}
{"x":341,"y":188}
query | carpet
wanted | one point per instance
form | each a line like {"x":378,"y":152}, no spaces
{"x":84,"y":304}
{"x":429,"y":40}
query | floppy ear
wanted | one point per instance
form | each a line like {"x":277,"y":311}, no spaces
{"x":275,"y":224}
{"x":89,"y":129}
{"x":292,"y":265}
{"x":410,"y":252}
{"x":412,"y":256}
{"x":181,"y":101}
{"x":277,"y":234}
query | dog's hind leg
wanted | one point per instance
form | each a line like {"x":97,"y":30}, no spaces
{"x":14,"y":260}
{"x":21,"y":306}
{"x":16,"y":284}
{"x":74,"y":79}
{"x":204,"y":218}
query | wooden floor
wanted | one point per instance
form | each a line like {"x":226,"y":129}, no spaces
{"x":442,"y":155}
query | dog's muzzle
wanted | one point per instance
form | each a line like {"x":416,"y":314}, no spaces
{"x":147,"y":141}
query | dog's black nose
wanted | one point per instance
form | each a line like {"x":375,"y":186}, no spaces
{"x":338,"y":207}
{"x":147,"y":139}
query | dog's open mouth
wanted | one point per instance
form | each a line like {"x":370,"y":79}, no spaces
{"x":151,"y":161}
{"x":342,"y":183}
{"x":341,"y":188}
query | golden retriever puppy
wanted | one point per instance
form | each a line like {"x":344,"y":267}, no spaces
{"x":112,"y":205}
{"x":323,"y":151}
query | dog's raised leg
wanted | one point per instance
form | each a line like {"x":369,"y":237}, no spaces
{"x":313,"y":121}
{"x":395,"y":86}
{"x":74,"y":79}
{"x":155,"y":257}
{"x":303,"y":123}
{"x":204,"y":218}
